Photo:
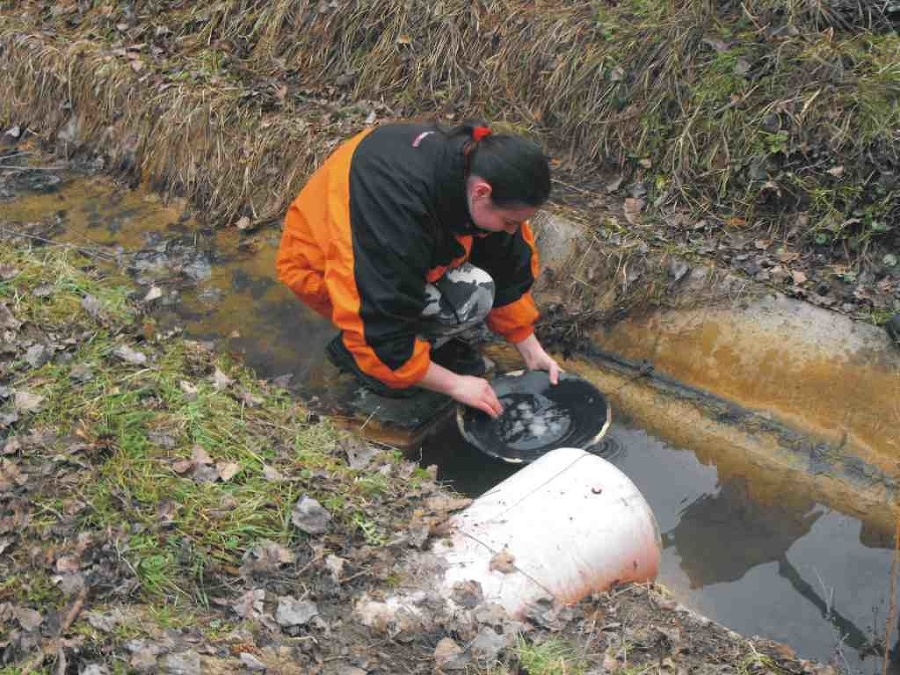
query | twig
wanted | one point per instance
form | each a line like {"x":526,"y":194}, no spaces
{"x":31,"y":168}
{"x":54,"y":644}
{"x":50,"y":242}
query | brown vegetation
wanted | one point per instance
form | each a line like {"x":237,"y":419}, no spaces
{"x":754,"y":109}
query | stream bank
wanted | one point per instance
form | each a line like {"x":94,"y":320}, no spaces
{"x":219,"y":282}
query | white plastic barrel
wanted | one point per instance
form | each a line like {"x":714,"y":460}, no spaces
{"x":567,"y":525}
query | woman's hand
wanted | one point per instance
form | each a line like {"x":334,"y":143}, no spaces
{"x":537,"y":359}
{"x":475,"y":392}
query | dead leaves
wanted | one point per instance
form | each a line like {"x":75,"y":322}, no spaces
{"x":504,"y":562}
{"x":632,"y":208}
{"x":204,"y":469}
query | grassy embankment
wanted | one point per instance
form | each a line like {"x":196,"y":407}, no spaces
{"x":774,"y":116}
{"x":149,"y":467}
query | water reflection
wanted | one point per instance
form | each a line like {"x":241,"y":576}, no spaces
{"x":745,"y":533}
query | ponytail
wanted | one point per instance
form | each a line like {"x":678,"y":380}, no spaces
{"x":516,"y":168}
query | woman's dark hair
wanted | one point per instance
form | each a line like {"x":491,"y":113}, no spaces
{"x":515,"y":167}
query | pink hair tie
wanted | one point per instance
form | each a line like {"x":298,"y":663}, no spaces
{"x":479,"y":133}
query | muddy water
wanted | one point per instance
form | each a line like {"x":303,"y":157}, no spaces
{"x":761,"y":557}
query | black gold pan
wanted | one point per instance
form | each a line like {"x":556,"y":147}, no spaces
{"x":537,"y":417}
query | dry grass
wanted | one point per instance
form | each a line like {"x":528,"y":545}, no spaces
{"x":734,"y":107}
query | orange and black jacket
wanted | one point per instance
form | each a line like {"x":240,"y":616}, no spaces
{"x":384,"y":215}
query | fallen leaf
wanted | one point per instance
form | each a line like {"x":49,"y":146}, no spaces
{"x":503,"y":562}
{"x":836,"y":171}
{"x":129,"y":355}
{"x":190,"y":391}
{"x":182,"y":466}
{"x":293,"y":612}
{"x":200,"y":456}
{"x":445,"y":504}
{"x":249,"y":399}
{"x":335,"y":565}
{"x":25,"y":401}
{"x":92,"y":306}
{"x":799,"y":277}
{"x":28,"y":618}
{"x":228,"y":470}
{"x":243,"y":223}
{"x":310,"y":516}
{"x":250,"y":604}
{"x":221,"y":380}
{"x":154,"y":293}
{"x":67,"y":563}
{"x":633,"y":208}
{"x":272,"y":474}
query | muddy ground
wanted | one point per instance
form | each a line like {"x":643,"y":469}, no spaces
{"x":75,"y":598}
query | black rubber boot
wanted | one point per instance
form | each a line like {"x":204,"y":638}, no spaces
{"x":460,"y":357}
{"x":343,"y":360}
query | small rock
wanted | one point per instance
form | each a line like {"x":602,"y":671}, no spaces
{"x":450,"y":656}
{"x":293,"y":612}
{"x":310,"y":516}
{"x":144,"y":660}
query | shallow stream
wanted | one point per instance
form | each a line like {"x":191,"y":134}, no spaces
{"x":758,"y":557}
